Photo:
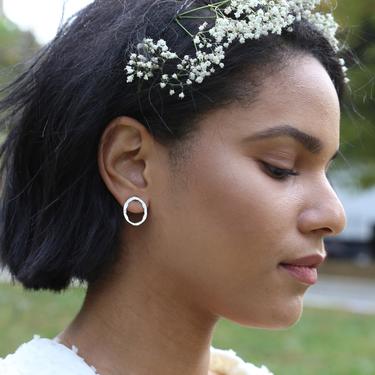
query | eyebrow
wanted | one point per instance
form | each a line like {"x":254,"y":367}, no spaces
{"x":309,"y":142}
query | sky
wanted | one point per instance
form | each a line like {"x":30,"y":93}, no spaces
{"x":42,"y":17}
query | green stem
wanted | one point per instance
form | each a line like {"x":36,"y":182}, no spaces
{"x":191,"y":35}
{"x":205,"y":7}
{"x":183,"y":17}
{"x":221,"y":13}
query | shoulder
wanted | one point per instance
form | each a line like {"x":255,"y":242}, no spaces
{"x":43,"y":356}
{"x":226,"y":361}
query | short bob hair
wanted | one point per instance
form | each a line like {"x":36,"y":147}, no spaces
{"x":59,"y":222}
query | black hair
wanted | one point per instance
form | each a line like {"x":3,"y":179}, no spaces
{"x":59,"y":222}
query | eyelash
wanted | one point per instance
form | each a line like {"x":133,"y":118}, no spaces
{"x":280,"y":174}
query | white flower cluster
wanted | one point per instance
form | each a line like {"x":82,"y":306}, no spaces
{"x":235,"y":20}
{"x":229,"y":363}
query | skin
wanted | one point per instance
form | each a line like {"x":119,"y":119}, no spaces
{"x":217,"y":228}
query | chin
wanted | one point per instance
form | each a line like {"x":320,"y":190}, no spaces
{"x":287,"y":317}
{"x":276,"y":317}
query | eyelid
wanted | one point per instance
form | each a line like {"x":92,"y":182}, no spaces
{"x":279,"y":163}
{"x":288,"y":155}
{"x":286,"y":172}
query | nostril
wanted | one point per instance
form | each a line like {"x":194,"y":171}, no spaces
{"x":326,"y":231}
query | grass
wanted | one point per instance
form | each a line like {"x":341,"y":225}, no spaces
{"x":323,"y":342}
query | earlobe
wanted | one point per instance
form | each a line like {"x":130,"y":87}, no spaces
{"x":122,"y":159}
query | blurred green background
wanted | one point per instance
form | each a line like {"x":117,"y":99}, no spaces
{"x":357,"y":19}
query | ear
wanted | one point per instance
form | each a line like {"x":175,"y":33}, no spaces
{"x":122,"y":160}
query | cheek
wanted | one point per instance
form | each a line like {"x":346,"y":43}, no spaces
{"x":229,"y":220}
{"x":240,"y":202}
{"x":243,"y":222}
{"x":222,"y":235}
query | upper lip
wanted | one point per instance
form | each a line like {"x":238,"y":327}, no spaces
{"x":313,"y":260}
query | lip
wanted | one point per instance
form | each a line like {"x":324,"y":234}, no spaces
{"x":304,"y":269}
{"x":314,"y":260}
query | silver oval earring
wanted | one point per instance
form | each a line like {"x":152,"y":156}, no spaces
{"x":126,"y":204}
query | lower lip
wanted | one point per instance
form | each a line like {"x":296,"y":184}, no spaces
{"x":307,"y":275}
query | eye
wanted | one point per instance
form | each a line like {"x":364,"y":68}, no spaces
{"x":278,"y":173}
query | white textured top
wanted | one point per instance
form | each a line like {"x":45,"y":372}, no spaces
{"x":43,"y":356}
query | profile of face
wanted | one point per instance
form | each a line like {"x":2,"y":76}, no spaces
{"x":253,"y":193}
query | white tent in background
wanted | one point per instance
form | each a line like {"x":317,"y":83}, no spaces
{"x":360,"y":212}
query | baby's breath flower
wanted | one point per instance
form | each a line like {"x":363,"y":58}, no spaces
{"x":238,"y":20}
{"x":203,"y":26}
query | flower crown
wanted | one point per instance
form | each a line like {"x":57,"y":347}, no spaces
{"x":252,"y":19}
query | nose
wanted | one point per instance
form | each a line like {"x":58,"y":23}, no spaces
{"x":324,"y":213}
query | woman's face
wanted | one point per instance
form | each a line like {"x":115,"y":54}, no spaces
{"x":253,"y":194}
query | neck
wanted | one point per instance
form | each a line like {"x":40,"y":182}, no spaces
{"x":140,"y":321}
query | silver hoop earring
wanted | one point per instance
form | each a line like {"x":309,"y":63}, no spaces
{"x":126,"y":204}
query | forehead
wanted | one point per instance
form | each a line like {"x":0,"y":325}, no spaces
{"x":301,"y":95}
{"x":304,"y":79}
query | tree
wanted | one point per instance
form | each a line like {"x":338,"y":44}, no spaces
{"x":16,"y":47}
{"x":358,"y":122}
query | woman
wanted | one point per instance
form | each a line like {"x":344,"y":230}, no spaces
{"x":181,"y":186}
